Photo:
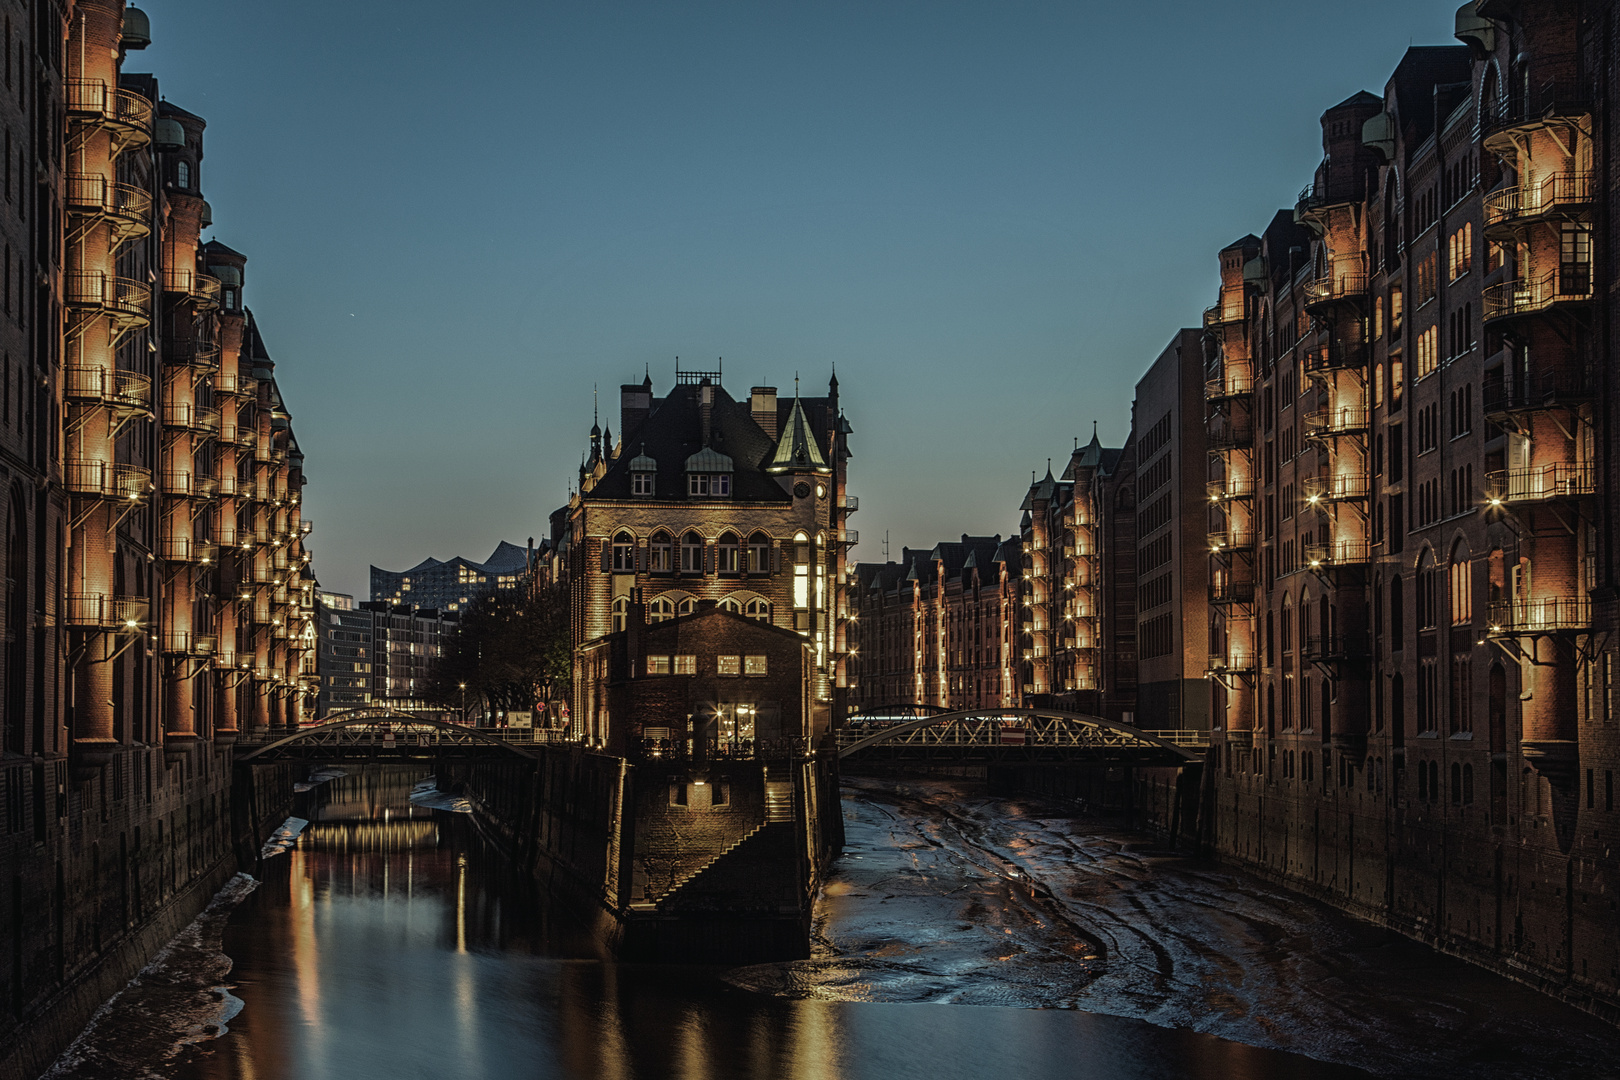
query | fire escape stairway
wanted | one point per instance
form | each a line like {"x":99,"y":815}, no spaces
{"x":727,"y":850}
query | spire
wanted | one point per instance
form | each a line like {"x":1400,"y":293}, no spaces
{"x":646,"y":378}
{"x":797,"y":449}
{"x":596,"y":416}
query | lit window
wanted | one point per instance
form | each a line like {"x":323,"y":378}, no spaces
{"x":686,"y":665}
{"x":691,"y":554}
{"x":759,"y":554}
{"x":730,"y":665}
{"x":731,"y":605}
{"x":658,"y":665}
{"x":662,"y":550}
{"x":661,"y":610}
{"x":754,"y":665}
{"x":726,"y":553}
{"x":621,"y":613}
{"x":759,"y":609}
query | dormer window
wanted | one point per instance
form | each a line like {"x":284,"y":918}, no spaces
{"x":643,"y":474}
{"x":710,"y":485}
{"x":641,"y":483}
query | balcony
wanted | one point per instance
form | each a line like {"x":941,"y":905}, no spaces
{"x":1548,"y":103}
{"x":1546,"y":483}
{"x":106,"y":480}
{"x":305,"y":527}
{"x":846,"y":537}
{"x":1236,"y":662}
{"x":1569,"y":284}
{"x":127,"y":116}
{"x":1230,"y":386}
{"x":1328,"y":191}
{"x":1333,"y":648}
{"x":1340,"y":487}
{"x":1337,"y":422}
{"x":1224,"y":591}
{"x":186,"y":549}
{"x":1229,"y":489}
{"x":188,"y":643}
{"x":1338,"y":553}
{"x":182,"y":416}
{"x":230,"y":383}
{"x":1347,"y":284}
{"x":1562,"y":196}
{"x":125,"y":391}
{"x":101,"y":611}
{"x":188,"y":485}
{"x":1336,"y":356}
{"x":194,"y":352}
{"x":125,"y":208}
{"x":1541,"y":615}
{"x":126,"y":301}
{"x":1230,"y":540}
{"x":1503,"y":399}
{"x":1223,"y":314}
{"x":1229,"y":437}
{"x":203,"y":290}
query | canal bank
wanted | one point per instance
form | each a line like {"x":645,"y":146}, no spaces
{"x":392,"y":939}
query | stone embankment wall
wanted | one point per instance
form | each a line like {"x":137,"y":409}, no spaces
{"x":96,"y":875}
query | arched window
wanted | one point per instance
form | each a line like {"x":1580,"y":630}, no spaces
{"x":624,"y":553}
{"x":726,"y":553}
{"x":687,"y":606}
{"x":1462,"y":596}
{"x":1397,"y":615}
{"x":661,"y":610}
{"x":730,"y":604}
{"x":182,"y":174}
{"x":691,"y":554}
{"x":758,"y":609}
{"x":759,"y":554}
{"x":661,"y":550}
{"x":621,"y":613}
{"x":1427,"y":616}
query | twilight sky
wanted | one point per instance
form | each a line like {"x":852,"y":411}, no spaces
{"x":991,"y":216}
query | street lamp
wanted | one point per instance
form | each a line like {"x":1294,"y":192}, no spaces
{"x":463,"y":702}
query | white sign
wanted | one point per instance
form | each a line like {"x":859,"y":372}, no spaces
{"x":515,"y":719}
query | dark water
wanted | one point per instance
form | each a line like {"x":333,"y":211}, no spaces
{"x":390,"y":942}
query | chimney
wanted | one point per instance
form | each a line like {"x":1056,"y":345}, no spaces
{"x":762,"y":403}
{"x":635,"y":402}
{"x":706,"y":408}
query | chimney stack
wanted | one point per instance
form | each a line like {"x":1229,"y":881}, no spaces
{"x":635,"y":402}
{"x":762,"y":403}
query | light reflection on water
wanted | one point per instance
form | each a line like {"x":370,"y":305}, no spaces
{"x":392,"y":943}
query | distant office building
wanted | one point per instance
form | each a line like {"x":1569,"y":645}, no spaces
{"x":452,"y":585}
{"x":343,"y":654}
{"x":377,"y":654}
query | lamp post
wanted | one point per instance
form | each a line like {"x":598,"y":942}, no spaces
{"x":463,"y":702}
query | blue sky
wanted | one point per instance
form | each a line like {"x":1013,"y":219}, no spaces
{"x":990,"y":216}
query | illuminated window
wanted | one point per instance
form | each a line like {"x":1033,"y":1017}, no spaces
{"x":726,"y":552}
{"x":624,"y":552}
{"x":759,"y":554}
{"x":759,"y":609}
{"x":661,"y":610}
{"x":754,"y":665}
{"x":621,"y":613}
{"x":731,"y":605}
{"x":658,"y":665}
{"x":661,"y":551}
{"x":691,"y":554}
{"x":730,"y":665}
{"x":686,"y":665}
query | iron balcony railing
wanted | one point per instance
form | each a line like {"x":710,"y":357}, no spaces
{"x":1339,"y":487}
{"x":1235,"y":661}
{"x":1529,"y":393}
{"x":1562,"y":193}
{"x":1223,"y":590}
{"x":1343,"y":646}
{"x":1339,"y":284}
{"x":185,"y":416}
{"x":203,"y":289}
{"x":103,"y":386}
{"x":1223,"y":313}
{"x":1229,"y":436}
{"x":1335,"y":356}
{"x":1570,"y":283}
{"x":190,"y":643}
{"x":1231,"y":540}
{"x":123,"y":298}
{"x":187,"y":549}
{"x":1543,"y":483}
{"x":199,"y":352}
{"x":230,"y":382}
{"x":1338,"y":553}
{"x":847,"y":537}
{"x":1228,"y":385}
{"x":95,"y":101}
{"x":1532,"y":107}
{"x":1233,"y":487}
{"x":1336,"y":422}
{"x":189,"y":485}
{"x":849,"y":503}
{"x":1331,"y":190}
{"x":105,"y":479}
{"x":1542,"y":614}
{"x":130,"y":206}
{"x":102,"y":611}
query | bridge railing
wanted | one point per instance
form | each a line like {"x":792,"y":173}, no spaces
{"x":656,"y":749}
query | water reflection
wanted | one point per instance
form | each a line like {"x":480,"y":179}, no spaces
{"x":392,"y":942}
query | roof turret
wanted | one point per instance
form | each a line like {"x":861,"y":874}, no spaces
{"x":797,"y":449}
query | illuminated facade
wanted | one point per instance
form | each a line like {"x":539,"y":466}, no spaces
{"x":711,"y":498}
{"x":159,"y":600}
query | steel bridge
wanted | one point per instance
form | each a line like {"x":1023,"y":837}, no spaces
{"x":985,"y":736}
{"x":384,"y":735}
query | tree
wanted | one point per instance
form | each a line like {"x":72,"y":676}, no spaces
{"x":511,"y":651}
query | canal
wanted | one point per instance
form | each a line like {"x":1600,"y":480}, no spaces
{"x":962,"y":936}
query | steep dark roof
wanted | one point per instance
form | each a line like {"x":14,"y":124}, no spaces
{"x":505,"y":559}
{"x":672,"y":433}
{"x":1361,"y":97}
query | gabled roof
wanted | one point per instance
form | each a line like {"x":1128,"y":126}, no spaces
{"x":797,"y":450}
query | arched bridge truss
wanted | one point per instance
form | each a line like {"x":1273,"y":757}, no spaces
{"x":382,"y":735}
{"x":1019,"y":735}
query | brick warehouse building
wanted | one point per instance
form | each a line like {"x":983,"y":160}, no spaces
{"x":710,"y":498}
{"x":159,"y":597}
{"x":1412,"y":648}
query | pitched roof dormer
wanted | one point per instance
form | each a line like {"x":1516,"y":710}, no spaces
{"x":797,"y":449}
